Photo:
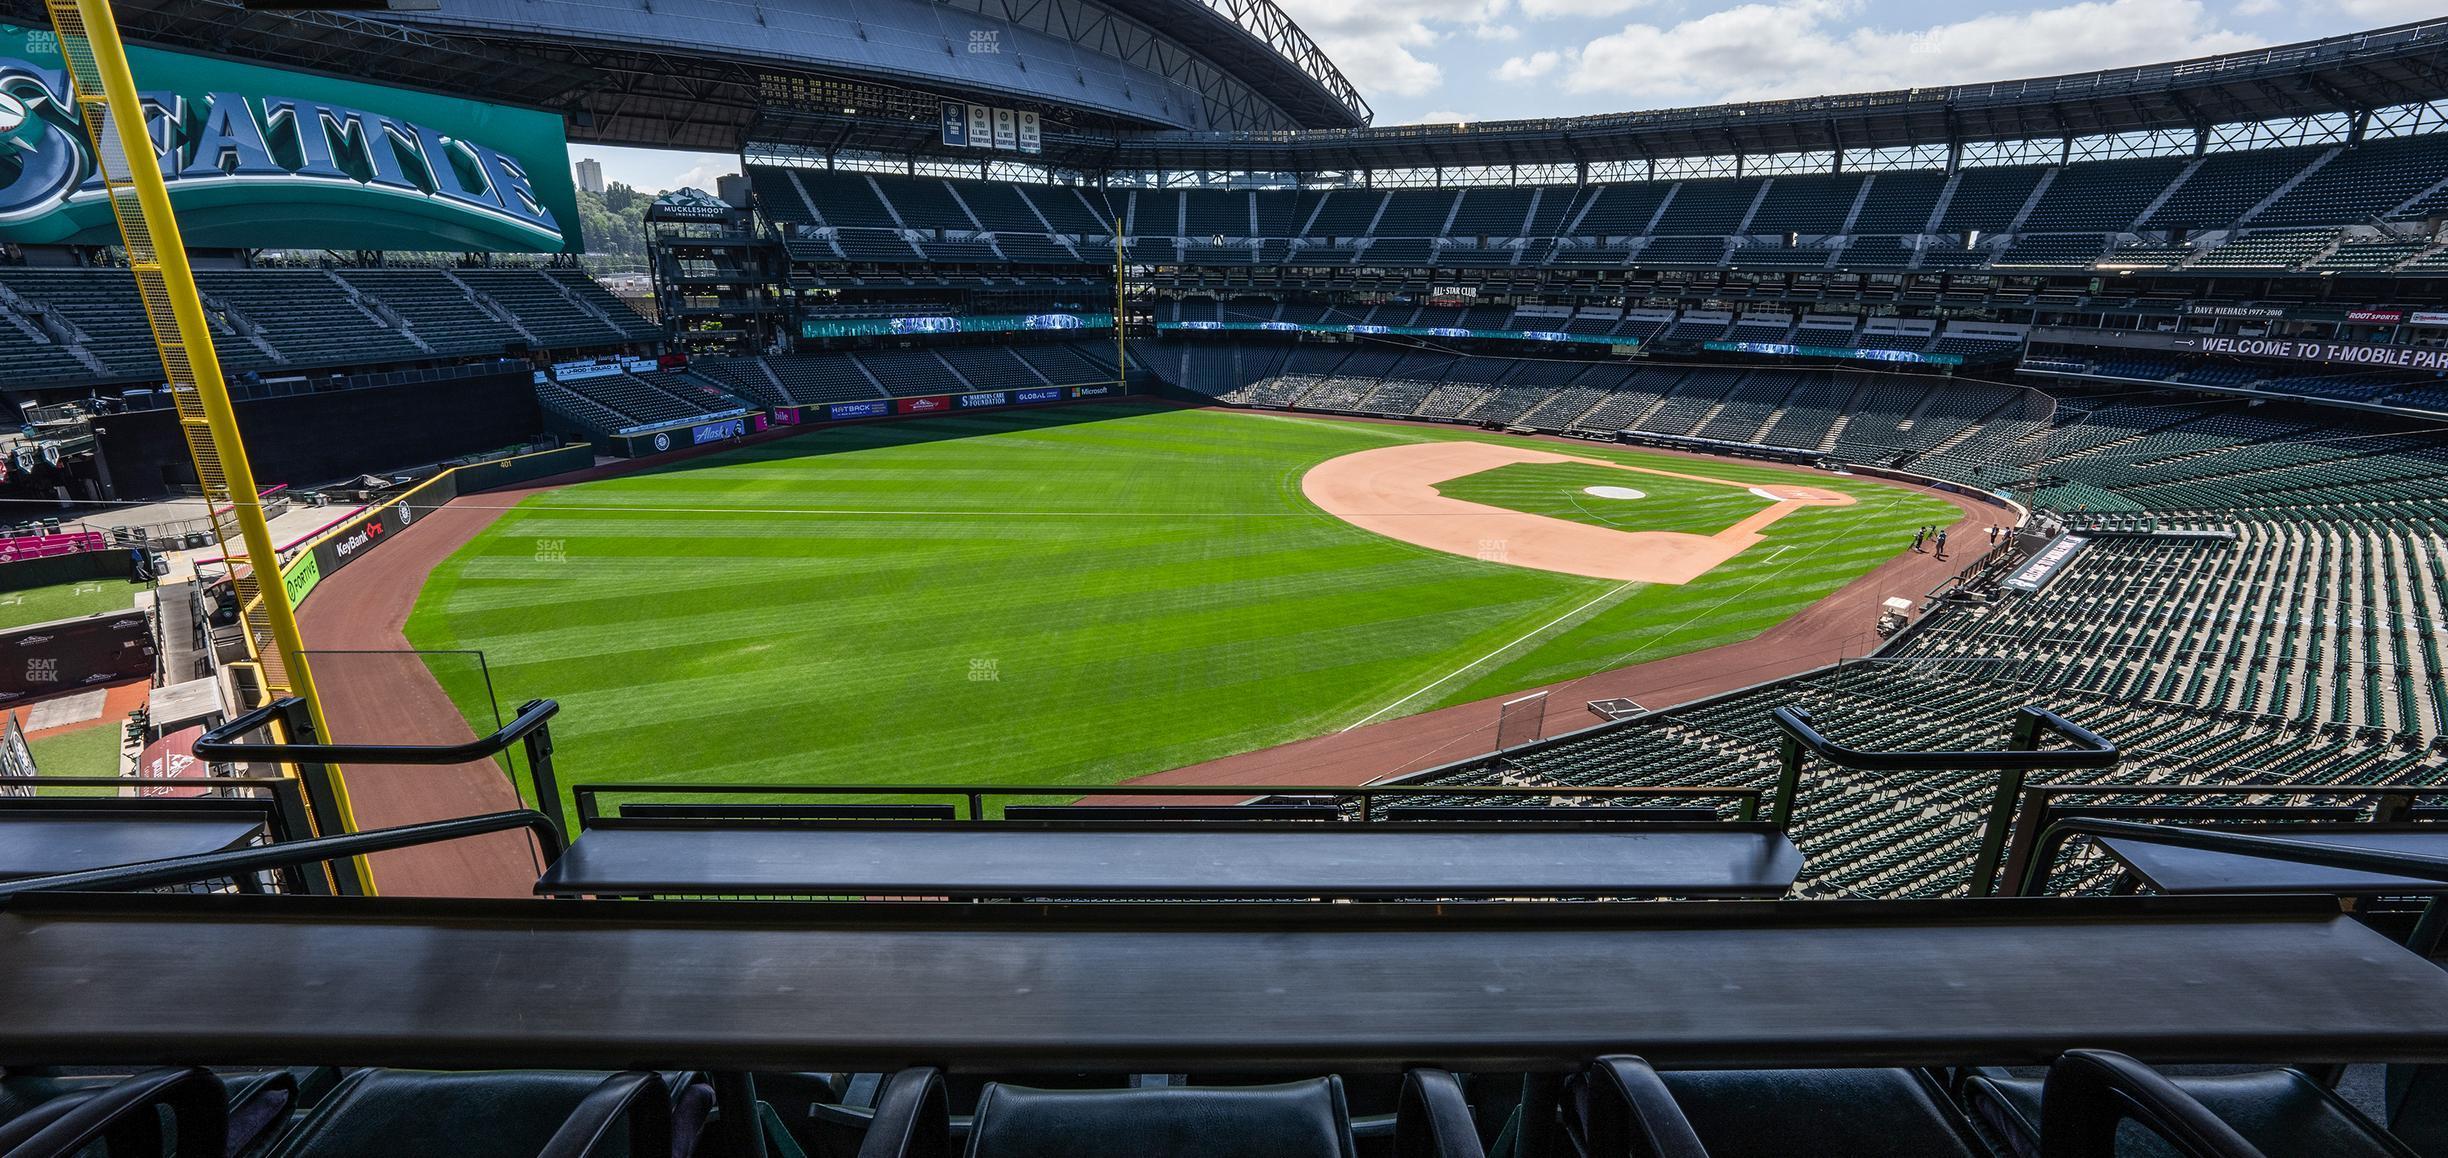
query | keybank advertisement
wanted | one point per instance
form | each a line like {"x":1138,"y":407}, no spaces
{"x":260,"y":157}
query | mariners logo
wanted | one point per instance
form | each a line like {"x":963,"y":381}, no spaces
{"x":258,"y":156}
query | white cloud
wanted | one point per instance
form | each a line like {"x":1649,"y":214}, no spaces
{"x":1523,"y":68}
{"x":1379,"y":45}
{"x":1440,"y":117}
{"x":657,"y":170}
{"x":1502,"y":32}
{"x":2250,"y":8}
{"x":1581,"y":9}
{"x":1787,"y":48}
{"x":2373,"y":13}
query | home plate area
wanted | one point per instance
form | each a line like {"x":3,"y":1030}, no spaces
{"x":1393,"y":491}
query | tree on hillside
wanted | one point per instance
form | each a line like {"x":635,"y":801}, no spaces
{"x":614,"y":225}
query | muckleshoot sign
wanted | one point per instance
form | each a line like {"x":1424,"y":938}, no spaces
{"x":265,"y":158}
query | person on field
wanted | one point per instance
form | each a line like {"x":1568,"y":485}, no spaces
{"x":1942,"y":546}
{"x":1918,"y":535}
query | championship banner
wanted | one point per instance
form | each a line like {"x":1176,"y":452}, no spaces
{"x":1006,"y":129}
{"x":981,"y":127}
{"x":261,"y":157}
{"x":1032,"y":134}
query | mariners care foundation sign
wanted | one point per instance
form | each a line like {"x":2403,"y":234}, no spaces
{"x":261,"y":157}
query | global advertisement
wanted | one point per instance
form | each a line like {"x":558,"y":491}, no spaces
{"x":260,"y":157}
{"x":2307,"y":351}
{"x":947,"y":324}
{"x":1865,"y":354}
{"x":1414,"y":331}
{"x":706,"y":432}
{"x":302,"y":577}
{"x":1043,"y":394}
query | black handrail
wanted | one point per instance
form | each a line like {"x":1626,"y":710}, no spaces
{"x":221,"y":743}
{"x":2428,"y":930}
{"x":1746,"y":800}
{"x":2090,"y":750}
{"x":2392,"y":803}
{"x":2303,"y":849}
{"x":209,"y":866}
{"x":529,"y":726}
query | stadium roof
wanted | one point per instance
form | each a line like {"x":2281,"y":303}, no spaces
{"x":1262,"y":45}
{"x":693,"y":73}
{"x":2407,"y":64}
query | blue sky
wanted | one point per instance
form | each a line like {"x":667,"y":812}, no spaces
{"x":1475,"y":60}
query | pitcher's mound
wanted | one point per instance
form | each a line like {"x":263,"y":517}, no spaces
{"x":1615,"y":492}
{"x":1391,"y":491}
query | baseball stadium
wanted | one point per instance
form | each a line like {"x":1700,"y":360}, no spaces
{"x":1096,"y":597}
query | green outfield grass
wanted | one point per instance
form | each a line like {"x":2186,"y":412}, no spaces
{"x":87,"y":751}
{"x":1070,"y":596}
{"x":1560,"y":490}
{"x":65,"y":601}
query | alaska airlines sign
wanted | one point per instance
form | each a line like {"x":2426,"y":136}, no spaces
{"x":259,"y":157}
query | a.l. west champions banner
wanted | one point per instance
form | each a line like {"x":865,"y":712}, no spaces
{"x":261,"y":157}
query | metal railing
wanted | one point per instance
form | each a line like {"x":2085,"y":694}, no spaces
{"x":293,"y":854}
{"x":1801,"y":738}
{"x":2301,"y":849}
{"x":2039,"y":817}
{"x":314,"y":759}
{"x":588,"y":797}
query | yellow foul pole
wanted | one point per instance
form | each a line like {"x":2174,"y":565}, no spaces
{"x":113,"y":115}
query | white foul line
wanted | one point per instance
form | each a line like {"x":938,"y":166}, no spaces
{"x":1525,"y":637}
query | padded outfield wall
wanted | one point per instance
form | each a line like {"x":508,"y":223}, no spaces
{"x":309,"y":438}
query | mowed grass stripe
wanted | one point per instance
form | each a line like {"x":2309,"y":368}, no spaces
{"x":1073,"y":596}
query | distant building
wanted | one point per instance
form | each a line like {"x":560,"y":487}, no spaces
{"x":732,"y":187}
{"x":590,"y":176}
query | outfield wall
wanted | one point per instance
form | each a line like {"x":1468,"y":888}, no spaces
{"x":376,"y":525}
{"x":332,"y":433}
{"x":689,"y":436}
{"x":110,"y":563}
